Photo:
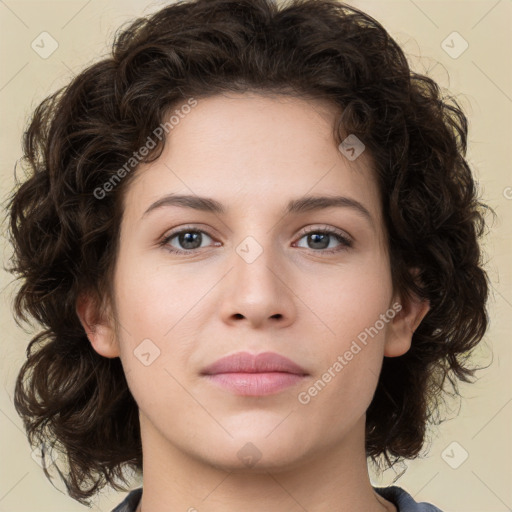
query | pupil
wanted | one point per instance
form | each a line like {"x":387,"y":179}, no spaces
{"x":319,"y":240}
{"x":189,"y":240}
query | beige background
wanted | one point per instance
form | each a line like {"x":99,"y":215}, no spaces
{"x":481,"y":79}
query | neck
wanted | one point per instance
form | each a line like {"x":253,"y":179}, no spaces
{"x":330,"y":480}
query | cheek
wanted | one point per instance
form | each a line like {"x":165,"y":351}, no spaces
{"x":153,"y":300}
{"x":158,"y":313}
{"x":353,"y":310}
{"x":349,"y":355}
{"x":341,"y":395}
{"x":155,"y":309}
{"x":349,"y":299}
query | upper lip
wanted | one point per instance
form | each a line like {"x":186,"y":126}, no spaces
{"x":244,"y":362}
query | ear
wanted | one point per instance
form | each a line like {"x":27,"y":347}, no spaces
{"x":404,"y":323}
{"x":98,"y":326}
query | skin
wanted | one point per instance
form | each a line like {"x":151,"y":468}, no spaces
{"x":252,"y":153}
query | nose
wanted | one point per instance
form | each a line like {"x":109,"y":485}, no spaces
{"x":255,"y":291}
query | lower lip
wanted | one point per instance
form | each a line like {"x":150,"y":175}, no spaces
{"x":255,"y":384}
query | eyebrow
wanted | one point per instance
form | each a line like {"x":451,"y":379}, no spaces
{"x":301,"y":205}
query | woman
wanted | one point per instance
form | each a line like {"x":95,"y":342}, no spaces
{"x":252,"y":237}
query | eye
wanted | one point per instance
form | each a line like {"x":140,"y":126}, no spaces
{"x":185,"y":240}
{"x":326,"y":240}
{"x":189,"y":239}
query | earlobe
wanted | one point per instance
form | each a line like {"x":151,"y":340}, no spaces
{"x":98,"y":327}
{"x":402,"y":326}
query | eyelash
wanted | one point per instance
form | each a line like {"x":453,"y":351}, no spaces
{"x":345,"y":242}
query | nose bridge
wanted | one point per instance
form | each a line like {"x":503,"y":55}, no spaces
{"x":255,"y":262}
{"x":255,"y":290}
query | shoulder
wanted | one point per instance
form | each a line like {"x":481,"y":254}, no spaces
{"x":130,"y":503}
{"x":403,"y":501}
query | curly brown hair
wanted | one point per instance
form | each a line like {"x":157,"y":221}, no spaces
{"x":66,"y":238}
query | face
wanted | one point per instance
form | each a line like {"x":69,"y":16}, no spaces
{"x":268,"y":270}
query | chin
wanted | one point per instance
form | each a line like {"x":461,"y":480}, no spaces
{"x":255,"y":451}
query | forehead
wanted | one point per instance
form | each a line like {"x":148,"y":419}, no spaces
{"x":255,"y":153}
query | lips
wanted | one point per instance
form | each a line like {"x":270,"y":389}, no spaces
{"x":247,"y":374}
{"x":244,"y":362}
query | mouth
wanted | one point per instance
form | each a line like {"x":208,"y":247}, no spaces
{"x":248,"y":374}
{"x":255,"y":384}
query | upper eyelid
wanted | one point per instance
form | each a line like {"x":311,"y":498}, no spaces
{"x":179,"y":230}
{"x":313,"y":229}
